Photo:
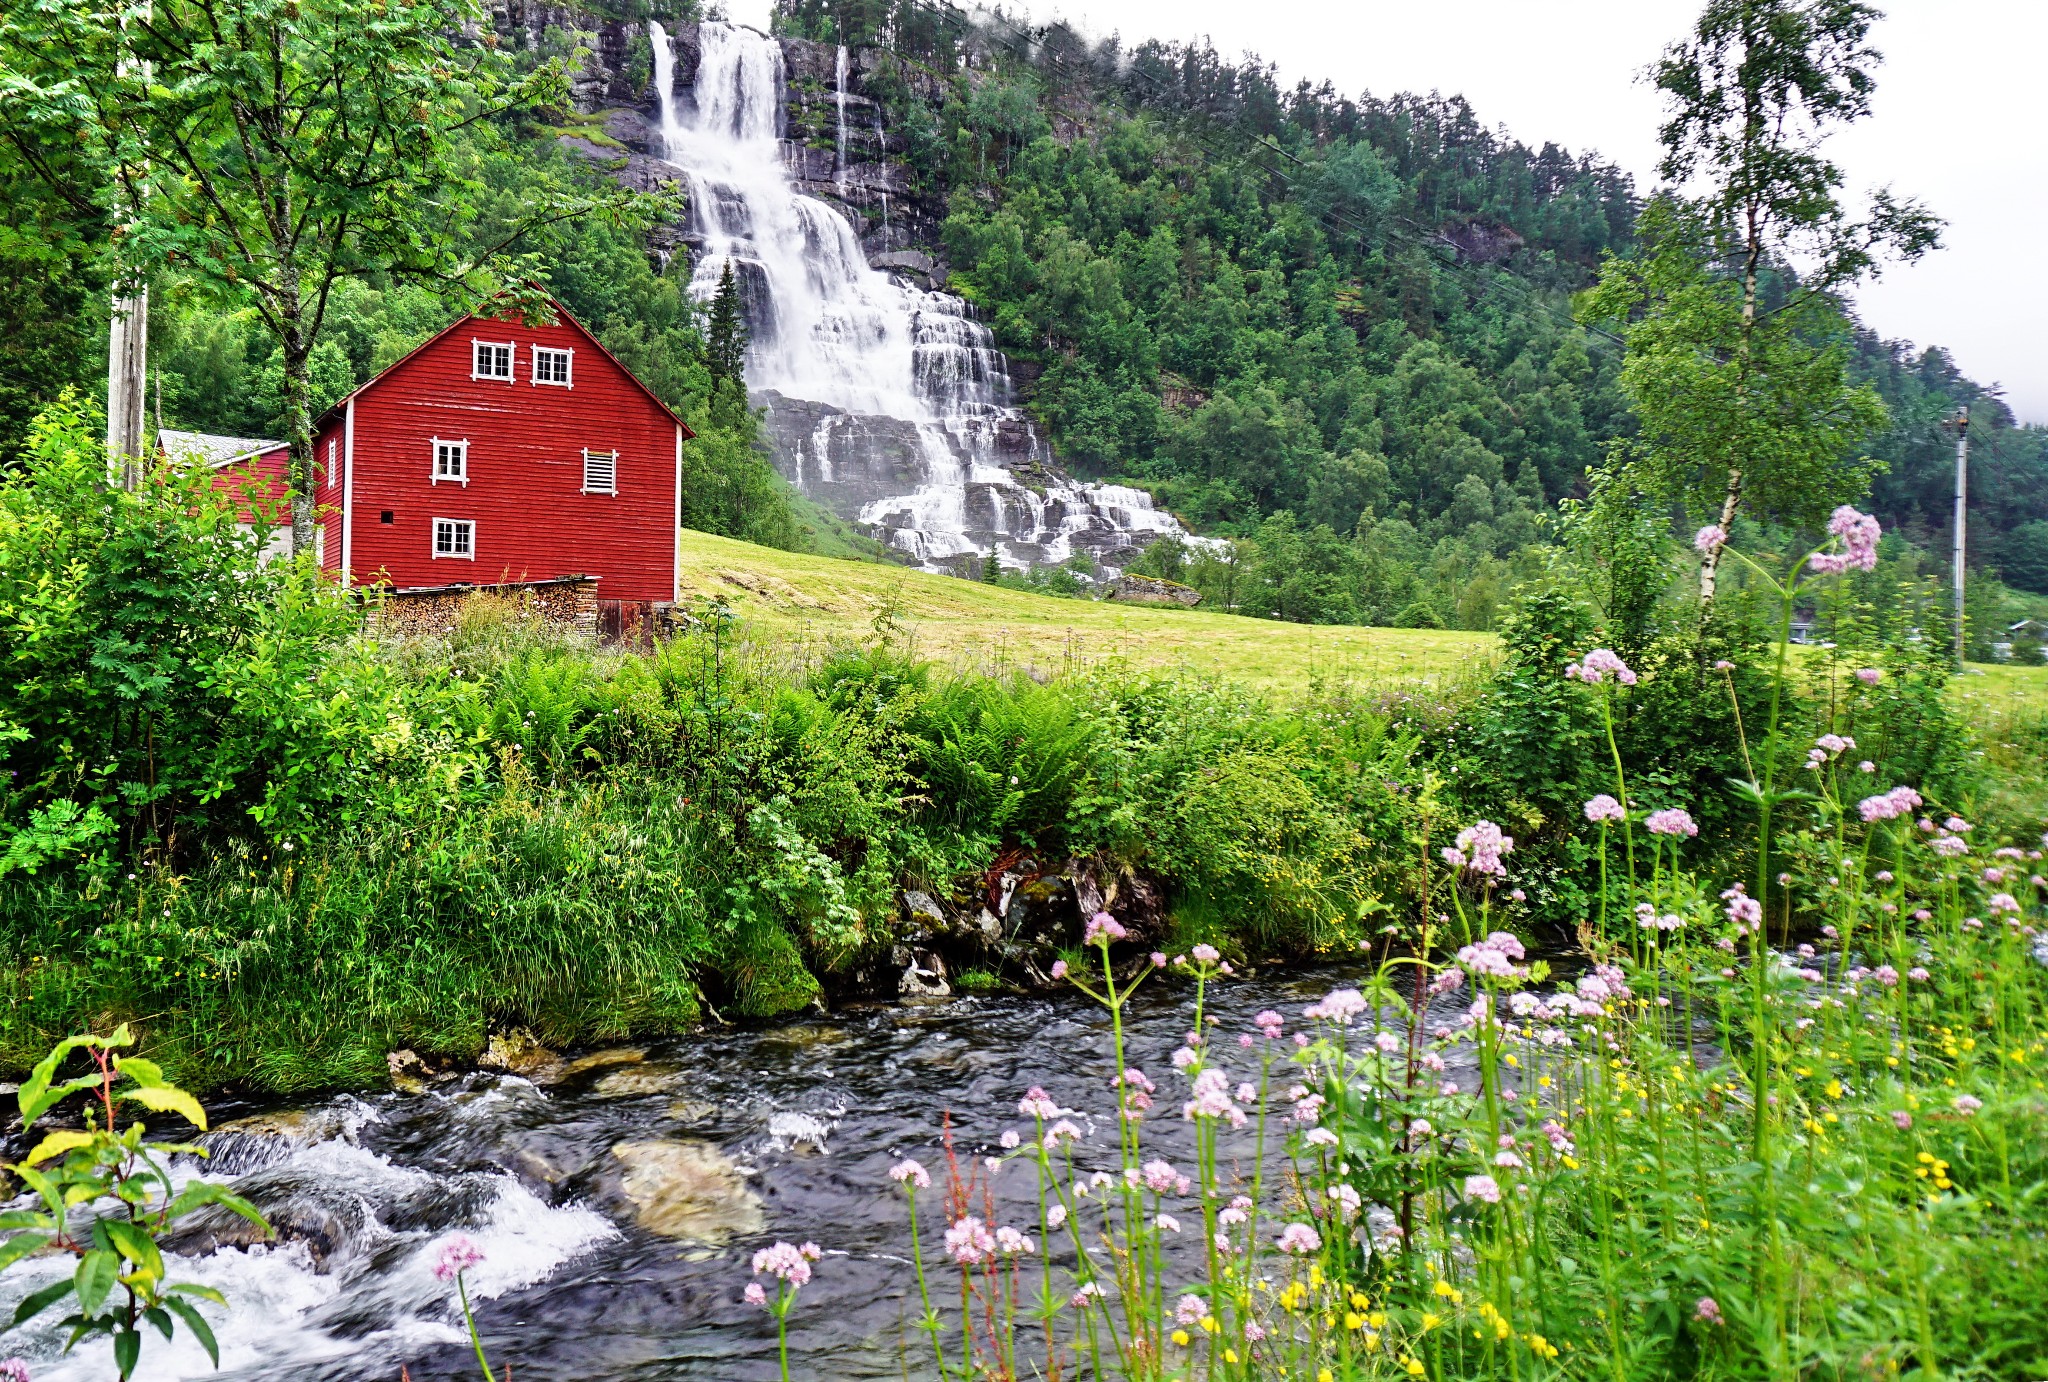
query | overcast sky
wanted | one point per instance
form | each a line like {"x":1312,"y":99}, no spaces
{"x":1958,"y":122}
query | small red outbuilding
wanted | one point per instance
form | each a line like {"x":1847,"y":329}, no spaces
{"x":501,"y":452}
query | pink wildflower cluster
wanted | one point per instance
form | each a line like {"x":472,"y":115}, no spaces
{"x":1708,"y":538}
{"x":1479,"y":848}
{"x":1036,"y":1103}
{"x":910,"y":1174}
{"x":1870,"y":676}
{"x":1859,"y":533}
{"x":1340,"y":1006}
{"x":14,"y":1370}
{"x":1102,"y":929}
{"x":1495,"y":956}
{"x":1600,"y":664}
{"x":969,"y":1241}
{"x":1745,"y":911}
{"x":1212,"y":1100}
{"x":1671,"y":821}
{"x":458,"y":1255}
{"x":1604,"y":808}
{"x":1889,"y":806}
{"x":1301,"y":1239}
{"x":1269,"y":1024}
{"x":1484,"y":1188}
{"x":1647,"y":918}
{"x":786,"y":1262}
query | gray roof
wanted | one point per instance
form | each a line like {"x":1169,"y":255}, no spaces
{"x":214,"y":451}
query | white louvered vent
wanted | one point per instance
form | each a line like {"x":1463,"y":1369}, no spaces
{"x":600,"y":472}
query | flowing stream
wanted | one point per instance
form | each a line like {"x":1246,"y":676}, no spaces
{"x":888,"y":404}
{"x":617,"y":1198}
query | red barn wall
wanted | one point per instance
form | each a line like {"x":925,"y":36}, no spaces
{"x":260,"y":477}
{"x":526,"y":444}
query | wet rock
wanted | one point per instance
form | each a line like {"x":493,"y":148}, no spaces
{"x":687,"y":1190}
{"x":693,"y":1111}
{"x":638,"y":1080}
{"x":408,"y":1071}
{"x":598,"y":1060}
{"x":923,"y":908}
{"x":519,"y":1052}
{"x":264,"y":1139}
{"x":924,"y":979}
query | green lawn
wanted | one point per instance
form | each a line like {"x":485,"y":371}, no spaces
{"x":812,"y":601}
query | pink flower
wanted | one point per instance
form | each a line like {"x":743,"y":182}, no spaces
{"x":1159,"y":959}
{"x":1484,"y":844}
{"x":1270,"y":1023}
{"x":1161,"y":1179}
{"x":908,"y":1173}
{"x":1723,"y":665}
{"x":1206,"y":954}
{"x":1300,"y":1238}
{"x":1889,"y":806}
{"x":458,"y":1255}
{"x":1595,"y":667}
{"x":1604,"y":808}
{"x":1102,"y":929}
{"x":1886,"y":975}
{"x":1062,"y":1131}
{"x":1671,"y":821}
{"x":787,"y":1262}
{"x":1708,"y":1311}
{"x":1967,"y":1104}
{"x":1482,"y":1188}
{"x":1708,"y":538}
{"x":1059,"y":969}
{"x":1743,"y":909}
{"x":14,"y":1370}
{"x":1339,"y":1006}
{"x":1869,"y":676}
{"x":1918,"y":974}
{"x":1166,"y":1223}
{"x":1011,"y":1243}
{"x":1036,"y":1103}
{"x":1189,"y":1309}
{"x":969,"y":1242}
{"x":1901,"y":1119}
{"x":2002,"y":902}
{"x":1859,"y":533}
{"x":1089,"y":1292}
{"x":754,"y":1294}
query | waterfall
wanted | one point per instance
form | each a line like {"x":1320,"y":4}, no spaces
{"x":839,"y":136}
{"x":887,"y":403}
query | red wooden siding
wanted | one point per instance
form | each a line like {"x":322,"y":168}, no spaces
{"x":525,"y":469}
{"x":259,"y":478}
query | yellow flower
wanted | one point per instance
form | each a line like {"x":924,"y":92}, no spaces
{"x":1430,"y":1321}
{"x":1543,"y":1081}
{"x":1353,"y":1320}
{"x":1325,"y":1375}
{"x":1834,"y":1089}
{"x":1444,"y":1288}
{"x":1209,"y":1325}
{"x":1230,"y":1355}
{"x":1180,"y":1336}
{"x":1415,"y":1368}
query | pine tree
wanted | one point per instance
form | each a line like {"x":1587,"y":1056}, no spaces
{"x":725,"y":350}
{"x":992,"y":566}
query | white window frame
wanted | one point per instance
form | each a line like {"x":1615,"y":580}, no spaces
{"x":461,"y":472}
{"x":568,"y":361}
{"x":456,"y":527}
{"x":511,"y":349}
{"x":613,"y":457}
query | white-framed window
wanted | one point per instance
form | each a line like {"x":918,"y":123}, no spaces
{"x":451,"y":461}
{"x":455,"y":537}
{"x":552,"y":366}
{"x":492,"y":360}
{"x":600,"y":472}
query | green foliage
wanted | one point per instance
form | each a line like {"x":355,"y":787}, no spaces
{"x":158,"y":678}
{"x":106,"y":1196}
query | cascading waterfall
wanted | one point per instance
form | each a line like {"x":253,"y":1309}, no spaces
{"x":887,"y":403}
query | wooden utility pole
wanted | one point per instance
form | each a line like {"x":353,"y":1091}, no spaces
{"x":127,"y":355}
{"x":1962,"y":503}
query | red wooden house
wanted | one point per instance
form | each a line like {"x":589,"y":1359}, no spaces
{"x":500,"y":452}
{"x":251,"y":469}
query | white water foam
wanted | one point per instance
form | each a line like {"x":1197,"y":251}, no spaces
{"x":280,"y":1297}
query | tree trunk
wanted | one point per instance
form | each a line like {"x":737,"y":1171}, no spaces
{"x":298,"y":416}
{"x":1710,"y":560}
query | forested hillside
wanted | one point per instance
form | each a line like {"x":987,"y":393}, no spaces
{"x":1338,"y":329}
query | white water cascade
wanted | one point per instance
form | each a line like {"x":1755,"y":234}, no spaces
{"x":887,"y":404}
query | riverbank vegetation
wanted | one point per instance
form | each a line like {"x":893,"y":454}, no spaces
{"x":286,"y":848}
